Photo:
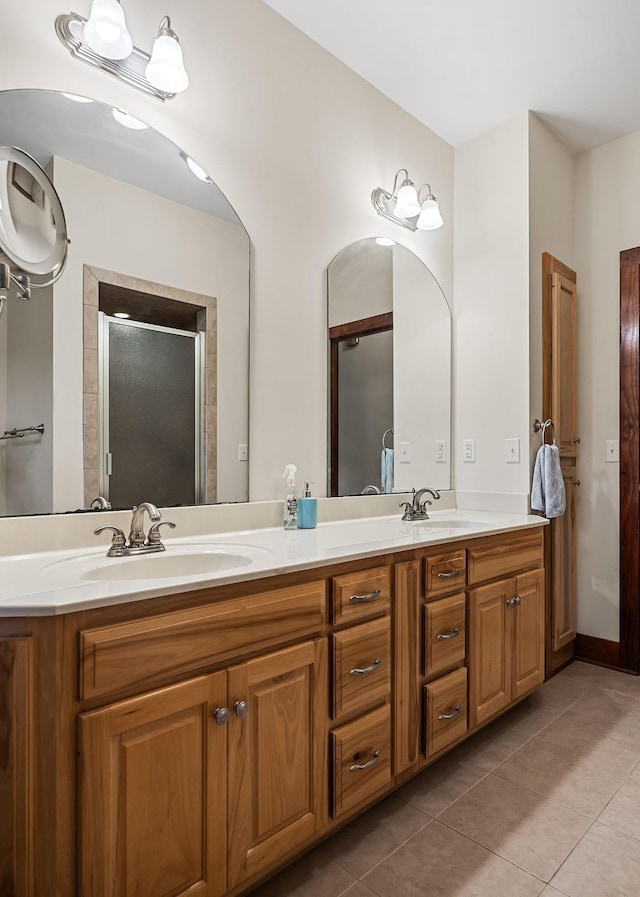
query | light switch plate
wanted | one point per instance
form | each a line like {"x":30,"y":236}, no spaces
{"x":612,"y":451}
{"x":512,"y":451}
{"x":406,"y":450}
{"x":243,"y":452}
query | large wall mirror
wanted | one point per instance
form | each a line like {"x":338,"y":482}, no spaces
{"x":390,"y":372}
{"x":134,"y":366}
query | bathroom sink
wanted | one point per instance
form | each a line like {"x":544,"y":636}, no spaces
{"x":447,"y":523}
{"x":164,"y":566}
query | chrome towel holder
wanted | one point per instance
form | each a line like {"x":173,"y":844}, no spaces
{"x":384,"y":436}
{"x":542,"y":425}
{"x":18,"y":433}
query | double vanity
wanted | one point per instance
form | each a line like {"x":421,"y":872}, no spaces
{"x":189,"y":721}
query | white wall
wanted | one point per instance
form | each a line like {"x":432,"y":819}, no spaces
{"x":121,"y":228}
{"x":297,"y":142}
{"x":607,"y":219}
{"x":491,"y":315}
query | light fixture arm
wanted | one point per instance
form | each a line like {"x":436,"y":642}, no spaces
{"x":385,"y":203}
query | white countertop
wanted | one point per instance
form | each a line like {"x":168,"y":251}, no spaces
{"x":58,"y":582}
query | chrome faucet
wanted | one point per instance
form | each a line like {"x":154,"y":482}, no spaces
{"x":100,"y":503}
{"x":416,"y":509}
{"x":137,"y":542}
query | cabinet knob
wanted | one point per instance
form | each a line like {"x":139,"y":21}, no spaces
{"x":515,"y":601}
{"x":576,"y":482}
{"x":221,"y":715}
{"x":241,"y":708}
{"x":576,"y":439}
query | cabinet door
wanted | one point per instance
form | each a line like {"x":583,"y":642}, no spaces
{"x":489,"y":650}
{"x":527,"y":622}
{"x":563,"y":362}
{"x":152,"y":817}
{"x":277,"y":756}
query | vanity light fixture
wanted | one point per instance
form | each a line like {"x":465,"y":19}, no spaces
{"x":406,"y":205}
{"x":103,"y":41}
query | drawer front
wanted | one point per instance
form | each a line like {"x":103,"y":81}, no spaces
{"x":446,"y":710}
{"x":361,"y":759}
{"x":444,"y":634}
{"x":361,"y":666}
{"x":357,"y":596}
{"x":445,"y":572}
{"x":144,"y":651}
{"x":505,"y":554}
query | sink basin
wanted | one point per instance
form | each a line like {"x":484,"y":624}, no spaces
{"x":163,"y":566}
{"x":447,"y":523}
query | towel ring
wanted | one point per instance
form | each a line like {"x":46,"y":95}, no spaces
{"x":385,"y":434}
{"x":542,"y":425}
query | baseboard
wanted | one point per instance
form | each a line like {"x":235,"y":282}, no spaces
{"x":599,"y":651}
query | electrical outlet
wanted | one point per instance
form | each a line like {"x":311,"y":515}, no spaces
{"x":612,"y":450}
{"x":469,"y":451}
{"x":243,"y":452}
{"x":441,"y":451}
{"x":512,"y":451}
{"x":406,"y":451}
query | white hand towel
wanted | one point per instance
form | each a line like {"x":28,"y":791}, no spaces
{"x":547,"y":489}
{"x":386,"y":472}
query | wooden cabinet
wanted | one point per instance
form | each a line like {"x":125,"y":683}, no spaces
{"x":506,"y":643}
{"x":182,"y":790}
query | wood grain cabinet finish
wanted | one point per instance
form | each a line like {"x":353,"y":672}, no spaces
{"x":358,"y":596}
{"x":445,"y":711}
{"x":361,"y":667}
{"x":445,"y":572}
{"x":505,"y":554}
{"x":444,"y":634}
{"x":361,"y":759}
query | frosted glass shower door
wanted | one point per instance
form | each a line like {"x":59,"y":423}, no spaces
{"x":151,"y":406}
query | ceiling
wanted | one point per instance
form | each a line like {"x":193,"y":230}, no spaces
{"x":462,"y":66}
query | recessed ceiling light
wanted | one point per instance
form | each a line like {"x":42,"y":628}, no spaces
{"x":196,"y":169}
{"x":76,"y":98}
{"x":121,"y":314}
{"x":129,"y":121}
{"x":385,"y":241}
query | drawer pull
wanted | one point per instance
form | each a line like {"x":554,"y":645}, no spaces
{"x":362,"y":766}
{"x":362,"y":671}
{"x":454,"y":713}
{"x":451,"y":575}
{"x":371,"y":596}
{"x":443,"y":636}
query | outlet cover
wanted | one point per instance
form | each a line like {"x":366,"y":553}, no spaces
{"x":469,"y":451}
{"x":612,"y":451}
{"x":441,"y":451}
{"x":512,"y":451}
{"x":243,"y":452}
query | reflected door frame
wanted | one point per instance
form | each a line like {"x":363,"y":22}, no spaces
{"x":338,"y":334}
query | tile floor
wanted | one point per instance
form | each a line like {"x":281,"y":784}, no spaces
{"x":545,"y":801}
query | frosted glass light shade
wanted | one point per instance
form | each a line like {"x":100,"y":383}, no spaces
{"x":430,"y":217}
{"x":407,"y":205}
{"x":106,"y":32}
{"x":165,"y":70}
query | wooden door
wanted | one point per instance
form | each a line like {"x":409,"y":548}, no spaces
{"x":277,"y":756}
{"x":559,"y":401}
{"x":526,"y":622}
{"x":152,"y":817}
{"x":489,"y":650}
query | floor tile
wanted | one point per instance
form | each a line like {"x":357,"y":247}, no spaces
{"x":560,"y":692}
{"x":600,"y":741}
{"x":605,"y":863}
{"x":623,"y":810}
{"x":315,"y":875}
{"x":439,"y":862}
{"x":359,"y":890}
{"x":624,"y":683}
{"x":587,"y":672}
{"x":522,"y":827}
{"x":560,"y":775}
{"x":612,"y":707}
{"x":489,"y":747}
{"x":369,"y":839}
{"x":548,"y":892}
{"x":528,"y":718}
{"x":440,"y":785}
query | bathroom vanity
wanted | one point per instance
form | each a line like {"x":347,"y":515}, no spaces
{"x":193,"y":738}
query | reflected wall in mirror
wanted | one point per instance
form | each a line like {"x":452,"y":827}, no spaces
{"x":390,"y":372}
{"x":142,"y":222}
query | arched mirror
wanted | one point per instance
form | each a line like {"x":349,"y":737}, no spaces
{"x":390,"y":372}
{"x":132,"y":368}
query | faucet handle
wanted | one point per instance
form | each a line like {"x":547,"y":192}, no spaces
{"x":118,"y":542}
{"x":154,"y":531}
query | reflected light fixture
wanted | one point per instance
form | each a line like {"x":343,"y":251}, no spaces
{"x":128,"y":120}
{"x":196,"y":169}
{"x":405,"y":204}
{"x":103,"y":41}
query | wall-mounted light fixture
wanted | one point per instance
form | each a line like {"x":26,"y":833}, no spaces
{"x":103,"y":41}
{"x":408,"y":206}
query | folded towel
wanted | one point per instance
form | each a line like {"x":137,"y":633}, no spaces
{"x":386,"y":472}
{"x":547,"y":488}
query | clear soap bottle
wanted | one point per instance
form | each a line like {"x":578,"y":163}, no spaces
{"x":291,"y":498}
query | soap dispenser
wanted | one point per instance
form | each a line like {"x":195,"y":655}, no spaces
{"x":307,"y":510}
{"x":291,"y":498}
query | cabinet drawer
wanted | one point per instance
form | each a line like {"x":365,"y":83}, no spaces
{"x":361,"y":666}
{"x":444,"y":572}
{"x":144,"y":651}
{"x":361,"y":759}
{"x":504,"y":554}
{"x":357,"y":596}
{"x":444,"y":634}
{"x":446,"y":710}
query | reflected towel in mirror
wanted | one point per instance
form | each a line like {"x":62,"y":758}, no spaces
{"x":386,"y":473}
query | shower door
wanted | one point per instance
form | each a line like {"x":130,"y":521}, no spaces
{"x":151,"y":397}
